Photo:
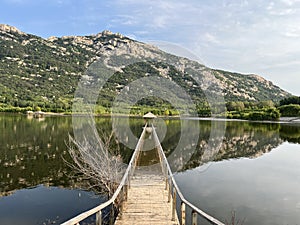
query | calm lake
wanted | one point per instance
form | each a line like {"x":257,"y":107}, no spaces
{"x":252,"y":169}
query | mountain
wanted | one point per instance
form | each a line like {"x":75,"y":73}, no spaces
{"x":45,"y":72}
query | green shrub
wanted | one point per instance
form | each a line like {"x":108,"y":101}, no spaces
{"x":37,"y":108}
{"x":289,"y":110}
{"x":258,"y":114}
{"x":268,"y":114}
{"x":290,"y":100}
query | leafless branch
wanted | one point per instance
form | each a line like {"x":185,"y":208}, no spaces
{"x":93,"y":158}
{"x":234,"y":220}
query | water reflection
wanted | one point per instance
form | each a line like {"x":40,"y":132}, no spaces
{"x":290,"y":133}
{"x":32,"y":161}
{"x":264,"y":190}
{"x":255,"y":172}
{"x":44,"y":205}
{"x":32,"y":152}
{"x":241,"y":139}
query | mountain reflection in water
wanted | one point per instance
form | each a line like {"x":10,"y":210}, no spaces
{"x":32,"y":154}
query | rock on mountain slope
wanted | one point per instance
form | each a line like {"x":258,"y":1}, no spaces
{"x":45,"y":72}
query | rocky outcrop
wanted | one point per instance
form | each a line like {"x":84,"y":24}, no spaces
{"x":10,"y":29}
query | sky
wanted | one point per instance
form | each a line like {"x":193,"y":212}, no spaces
{"x":247,"y":36}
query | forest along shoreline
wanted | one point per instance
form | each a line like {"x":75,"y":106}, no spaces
{"x":293,"y":120}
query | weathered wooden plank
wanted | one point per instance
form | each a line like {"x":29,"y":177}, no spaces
{"x":147,"y":201}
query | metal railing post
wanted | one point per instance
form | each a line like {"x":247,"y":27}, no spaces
{"x":182,"y":213}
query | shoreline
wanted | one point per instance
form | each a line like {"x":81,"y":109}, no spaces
{"x":282,"y":120}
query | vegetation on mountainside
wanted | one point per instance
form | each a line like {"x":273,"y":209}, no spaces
{"x":44,"y":73}
{"x":290,"y":107}
{"x":266,"y":110}
{"x":290,"y":110}
{"x":290,"y":100}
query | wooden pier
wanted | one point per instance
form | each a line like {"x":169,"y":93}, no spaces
{"x":148,"y":194}
{"x":147,"y":201}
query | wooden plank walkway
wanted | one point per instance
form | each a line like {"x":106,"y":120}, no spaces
{"x":147,"y":202}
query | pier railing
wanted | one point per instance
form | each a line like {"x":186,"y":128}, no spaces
{"x":174,"y":191}
{"x":120,"y":194}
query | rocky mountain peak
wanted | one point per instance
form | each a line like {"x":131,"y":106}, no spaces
{"x":10,"y":29}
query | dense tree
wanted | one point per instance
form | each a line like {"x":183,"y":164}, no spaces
{"x":290,"y":100}
{"x":290,"y":110}
{"x":266,"y":104}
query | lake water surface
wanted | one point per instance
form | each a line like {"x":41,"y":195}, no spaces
{"x":252,"y":169}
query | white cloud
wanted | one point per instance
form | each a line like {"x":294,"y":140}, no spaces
{"x":291,"y":34}
{"x":160,"y":22}
{"x":211,"y":38}
{"x":292,"y":31}
{"x":280,"y":12}
{"x":270,"y":6}
{"x":290,"y":2}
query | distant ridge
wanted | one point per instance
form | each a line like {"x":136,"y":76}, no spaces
{"x":45,"y":72}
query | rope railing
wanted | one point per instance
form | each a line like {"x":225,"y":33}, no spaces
{"x":119,"y":195}
{"x":173,"y":191}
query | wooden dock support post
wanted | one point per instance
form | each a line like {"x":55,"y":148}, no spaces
{"x":99,"y":218}
{"x":125,"y":192}
{"x":122,"y":202}
{"x":128,"y":178}
{"x":174,"y":204}
{"x":166,"y":187}
{"x":182,"y":213}
{"x":112,"y":215}
{"x":194,"y":218}
{"x":169,"y":192}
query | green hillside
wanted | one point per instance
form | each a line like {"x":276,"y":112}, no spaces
{"x":45,"y":73}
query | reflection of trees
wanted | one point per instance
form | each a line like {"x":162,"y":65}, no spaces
{"x":32,"y":152}
{"x":172,"y":136}
{"x":180,"y":142}
{"x":249,"y":140}
{"x":242,"y":139}
{"x":290,"y":133}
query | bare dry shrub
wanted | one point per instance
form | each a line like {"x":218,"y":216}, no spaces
{"x":97,"y":162}
{"x":233,"y":220}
